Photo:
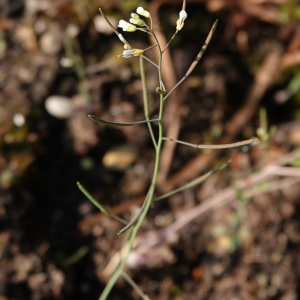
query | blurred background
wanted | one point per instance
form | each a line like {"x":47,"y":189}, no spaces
{"x":58,"y":64}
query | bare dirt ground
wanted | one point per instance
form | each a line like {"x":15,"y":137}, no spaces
{"x":236,"y":236}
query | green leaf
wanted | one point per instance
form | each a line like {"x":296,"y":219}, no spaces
{"x":118,"y":124}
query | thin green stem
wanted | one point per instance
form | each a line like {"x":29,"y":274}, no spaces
{"x":137,"y":221}
{"x":151,"y":22}
{"x":135,"y":286}
{"x":148,"y":201}
{"x":197,"y":59}
{"x":150,"y":193}
{"x":194,"y":182}
{"x":108,"y":22}
{"x":98,"y":204}
{"x":150,"y":47}
{"x":136,"y":217}
{"x":152,"y":62}
{"x":224,"y":146}
{"x":144,"y":30}
{"x":146,"y":99}
{"x":170,"y":41}
{"x":78,"y":68}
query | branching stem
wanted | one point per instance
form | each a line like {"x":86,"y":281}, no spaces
{"x":197,"y":59}
{"x":136,"y":223}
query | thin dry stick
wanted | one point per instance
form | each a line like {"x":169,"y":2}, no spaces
{"x":275,"y":185}
{"x":289,"y":60}
{"x":287,"y":171}
{"x":226,"y":196}
{"x":267,"y":14}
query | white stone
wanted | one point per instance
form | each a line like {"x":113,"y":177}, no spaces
{"x":66,"y":62}
{"x":102,"y":26}
{"x":59,"y":106}
{"x":50,"y":43}
{"x":72,"y":30}
{"x":19,"y":120}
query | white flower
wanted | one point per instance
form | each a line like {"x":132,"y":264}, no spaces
{"x":143,"y":12}
{"x":127,"y":53}
{"x":180,"y":21}
{"x":126,"y":26}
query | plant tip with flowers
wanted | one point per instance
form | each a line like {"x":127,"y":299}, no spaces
{"x":134,"y":24}
{"x":143,"y":12}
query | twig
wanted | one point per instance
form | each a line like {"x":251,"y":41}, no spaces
{"x":226,"y":196}
{"x":287,"y":171}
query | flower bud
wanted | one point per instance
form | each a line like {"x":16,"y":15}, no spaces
{"x":138,"y":52}
{"x":180,"y":21}
{"x":143,"y":12}
{"x":135,"y":16}
{"x":132,"y":52}
{"x":126,"y":26}
{"x":138,"y":21}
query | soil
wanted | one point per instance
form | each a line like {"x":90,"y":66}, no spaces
{"x":54,"y":243}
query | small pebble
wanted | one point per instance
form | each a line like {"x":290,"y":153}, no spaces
{"x":119,"y":157}
{"x":19,"y":120}
{"x":50,"y":43}
{"x":59,"y":106}
{"x":102,"y":26}
{"x":66,"y":62}
{"x":72,"y":30}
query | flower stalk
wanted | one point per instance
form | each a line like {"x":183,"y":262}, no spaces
{"x":135,"y":224}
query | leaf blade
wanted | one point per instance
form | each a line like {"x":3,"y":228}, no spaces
{"x":118,"y":124}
